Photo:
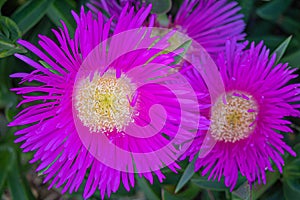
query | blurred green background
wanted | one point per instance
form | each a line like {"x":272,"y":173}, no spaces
{"x":277,"y":22}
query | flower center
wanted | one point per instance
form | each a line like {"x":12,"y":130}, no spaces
{"x":233,"y":117}
{"x":103,"y":103}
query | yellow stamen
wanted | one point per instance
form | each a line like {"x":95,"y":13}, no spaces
{"x":233,"y":118}
{"x":103,"y":103}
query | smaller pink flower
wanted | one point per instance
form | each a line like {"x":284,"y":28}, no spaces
{"x":247,"y":120}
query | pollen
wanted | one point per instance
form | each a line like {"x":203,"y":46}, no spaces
{"x":233,"y":117}
{"x":103,"y":103}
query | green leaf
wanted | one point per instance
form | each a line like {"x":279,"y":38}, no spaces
{"x":43,"y":27}
{"x":213,"y":195}
{"x":291,"y":189}
{"x":7,"y":157}
{"x":150,"y":194}
{"x":18,"y":185}
{"x":46,"y":65}
{"x":289,"y":24}
{"x":273,"y":9}
{"x":30,"y":13}
{"x":297,"y":149}
{"x":168,"y":196}
{"x":216,"y":185}
{"x":260,"y":28}
{"x":202,"y":182}
{"x":7,"y":97}
{"x":81,"y":3}
{"x":184,"y":46}
{"x":163,"y":20}
{"x":247,"y":6}
{"x":189,"y":192}
{"x":270,"y":41}
{"x":291,"y":176}
{"x":280,"y":50}
{"x":9,"y":33}
{"x":293,"y":59}
{"x":187,"y":175}
{"x":161,"y":6}
{"x":274,"y":193}
{"x":3,"y":128}
{"x":11,"y":111}
{"x":291,"y":169}
{"x":121,"y":192}
{"x":243,"y":191}
{"x":1,"y":4}
{"x":271,"y":178}
{"x":61,"y":10}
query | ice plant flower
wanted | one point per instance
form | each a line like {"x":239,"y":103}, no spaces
{"x":248,"y":118}
{"x":209,"y":22}
{"x":90,"y":112}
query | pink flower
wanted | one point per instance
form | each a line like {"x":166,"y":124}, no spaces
{"x":246,"y":121}
{"x":90,"y":111}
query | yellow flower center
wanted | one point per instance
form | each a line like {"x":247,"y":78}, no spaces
{"x":103,"y":103}
{"x":233,"y":117}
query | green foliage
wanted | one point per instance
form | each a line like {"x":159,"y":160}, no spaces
{"x":280,"y":50}
{"x":202,"y":182}
{"x":274,"y":9}
{"x":7,"y":98}
{"x":190,"y":192}
{"x":186,"y":176}
{"x":293,"y":59}
{"x":247,"y":8}
{"x":18,"y":186}
{"x":7,"y":158}
{"x":1,"y":4}
{"x":271,"y":179}
{"x":57,"y":12}
{"x":160,"y":7}
{"x":147,"y":189}
{"x":291,"y":176}
{"x":30,"y":14}
{"x":9,"y":33}
{"x":10,"y":174}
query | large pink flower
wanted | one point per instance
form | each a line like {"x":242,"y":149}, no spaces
{"x":91,"y":110}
